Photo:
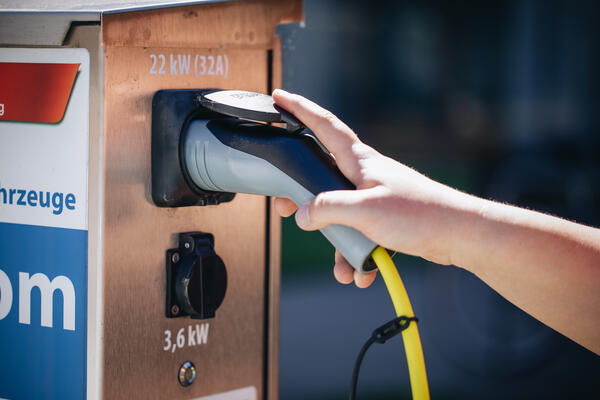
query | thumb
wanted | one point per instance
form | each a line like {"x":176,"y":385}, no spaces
{"x":344,"y":207}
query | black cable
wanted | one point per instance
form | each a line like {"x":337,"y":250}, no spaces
{"x":379,"y":335}
{"x":359,"y":359}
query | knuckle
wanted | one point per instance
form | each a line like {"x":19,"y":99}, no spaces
{"x":296,"y":100}
{"x":362,"y":150}
{"x":327,"y":118}
{"x":319,"y":202}
{"x":320,"y":205}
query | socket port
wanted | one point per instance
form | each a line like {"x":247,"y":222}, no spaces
{"x":196,"y":277}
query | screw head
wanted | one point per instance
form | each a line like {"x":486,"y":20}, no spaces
{"x":174,"y":309}
{"x":175,"y":258}
{"x":187,"y":373}
{"x":186,"y":245}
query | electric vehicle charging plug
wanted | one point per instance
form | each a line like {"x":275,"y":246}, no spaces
{"x":236,"y":155}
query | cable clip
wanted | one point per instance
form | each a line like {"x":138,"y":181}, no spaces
{"x":392,"y":328}
{"x":379,"y":335}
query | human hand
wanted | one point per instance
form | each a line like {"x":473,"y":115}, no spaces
{"x":545,"y":265}
{"x":393,"y":205}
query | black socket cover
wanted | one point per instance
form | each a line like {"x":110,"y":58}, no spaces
{"x":196,"y":277}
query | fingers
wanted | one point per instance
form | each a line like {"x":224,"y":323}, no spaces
{"x":337,"y":137}
{"x":337,"y":207}
{"x":345,"y":207}
{"x":342,"y":270}
{"x":285,"y":207}
{"x":364,"y":280}
{"x":344,"y":273}
{"x":334,"y":134}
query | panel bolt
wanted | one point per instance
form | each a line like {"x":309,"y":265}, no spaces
{"x":175,"y":258}
{"x":174,"y":309}
{"x":187,"y":373}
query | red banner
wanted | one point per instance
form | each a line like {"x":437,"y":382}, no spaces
{"x":35,"y":92}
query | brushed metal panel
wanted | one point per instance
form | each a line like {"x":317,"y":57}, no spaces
{"x":93,"y":6}
{"x":89,"y":37}
{"x":240,"y":24}
{"x":275,"y":260}
{"x":137,"y":233}
{"x":274,"y":292}
{"x":37,"y":29}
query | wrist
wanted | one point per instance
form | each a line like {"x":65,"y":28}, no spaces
{"x":481,"y":235}
{"x":460,"y":227}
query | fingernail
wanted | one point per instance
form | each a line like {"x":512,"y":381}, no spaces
{"x":357,"y":279}
{"x":361,"y":280}
{"x":302,"y":217}
{"x":279,"y":92}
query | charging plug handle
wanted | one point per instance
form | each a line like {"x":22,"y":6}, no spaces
{"x":233,"y":155}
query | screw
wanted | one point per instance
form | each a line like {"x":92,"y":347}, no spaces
{"x":186,"y":245}
{"x":187,"y":373}
{"x":174,"y":309}
{"x":175,"y":258}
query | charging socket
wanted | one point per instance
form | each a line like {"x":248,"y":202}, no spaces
{"x":196,"y":277}
{"x":172,"y":111}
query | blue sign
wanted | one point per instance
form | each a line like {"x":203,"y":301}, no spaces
{"x":43,"y":332}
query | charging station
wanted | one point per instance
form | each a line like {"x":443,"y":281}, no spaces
{"x":104,"y":293}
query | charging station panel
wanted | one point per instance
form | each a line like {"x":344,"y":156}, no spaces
{"x":83,"y":247}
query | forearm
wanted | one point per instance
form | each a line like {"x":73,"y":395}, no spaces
{"x":547,"y":266}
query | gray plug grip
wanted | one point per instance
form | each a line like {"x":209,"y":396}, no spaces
{"x":215,"y":166}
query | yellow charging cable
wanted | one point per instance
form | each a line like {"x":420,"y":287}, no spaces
{"x":410,"y":336}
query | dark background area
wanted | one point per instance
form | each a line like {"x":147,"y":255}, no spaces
{"x":499,"y":99}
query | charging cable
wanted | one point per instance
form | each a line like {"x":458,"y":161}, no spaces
{"x":379,"y":335}
{"x":410,"y":332}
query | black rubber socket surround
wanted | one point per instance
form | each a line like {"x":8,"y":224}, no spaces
{"x":171,"y":187}
{"x":298,"y":155}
